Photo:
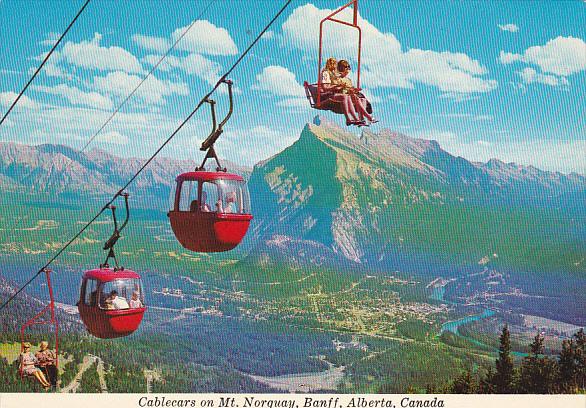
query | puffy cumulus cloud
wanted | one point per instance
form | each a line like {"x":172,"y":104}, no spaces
{"x":76,"y":96}
{"x":509,"y":57}
{"x":562,"y":56}
{"x":205,"y":38}
{"x":385,"y":63}
{"x":530,"y":76}
{"x":149,"y":43}
{"x":7,"y":98}
{"x":113,"y":137}
{"x":192,"y":64}
{"x":195,"y":64}
{"x":91,"y":55}
{"x":513,"y":28}
{"x":152,"y":91}
{"x":279,"y":81}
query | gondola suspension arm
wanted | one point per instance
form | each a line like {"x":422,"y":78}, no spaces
{"x":217,"y":129}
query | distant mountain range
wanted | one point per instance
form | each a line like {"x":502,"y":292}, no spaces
{"x":58,"y":169}
{"x":332,"y":195}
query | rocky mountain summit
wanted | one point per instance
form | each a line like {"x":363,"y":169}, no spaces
{"x":362,"y":196}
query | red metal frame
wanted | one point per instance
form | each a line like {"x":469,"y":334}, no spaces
{"x":353,"y":3}
{"x":37,"y":320}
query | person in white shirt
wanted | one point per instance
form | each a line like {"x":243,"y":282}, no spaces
{"x":118,"y":302}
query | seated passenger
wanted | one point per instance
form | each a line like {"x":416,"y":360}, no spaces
{"x":117,"y":301}
{"x":204,"y":206}
{"x":193,"y":206}
{"x":329,"y":74}
{"x":135,"y":302}
{"x":330,"y":82}
{"x":27,"y":361}
{"x":347,"y":88}
{"x":230,"y":203}
{"x":47,"y":359}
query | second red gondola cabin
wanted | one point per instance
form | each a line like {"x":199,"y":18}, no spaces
{"x":103,"y":317}
{"x":210,"y":211}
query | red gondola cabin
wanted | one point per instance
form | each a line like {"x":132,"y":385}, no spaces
{"x":102,"y":318}
{"x":210,"y":211}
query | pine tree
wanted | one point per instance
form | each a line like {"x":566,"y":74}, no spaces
{"x":539,"y":374}
{"x":464,"y":384}
{"x":486,"y":383}
{"x":503,"y":378}
{"x":580,"y":358}
{"x":568,"y":367}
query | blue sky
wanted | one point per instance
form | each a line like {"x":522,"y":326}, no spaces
{"x":485,"y":79}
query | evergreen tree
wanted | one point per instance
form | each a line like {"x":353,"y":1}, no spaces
{"x":486,"y":383}
{"x":463,"y":384}
{"x":539,"y":374}
{"x":580,"y":358}
{"x":503,"y":378}
{"x":568,"y":367}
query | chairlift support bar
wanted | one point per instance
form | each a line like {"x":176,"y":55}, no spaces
{"x":111,"y":242}
{"x":354,"y":4}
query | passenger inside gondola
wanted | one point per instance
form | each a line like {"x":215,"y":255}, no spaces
{"x":204,"y":205}
{"x":118,"y":302}
{"x":135,"y":302}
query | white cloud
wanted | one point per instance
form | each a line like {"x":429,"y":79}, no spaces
{"x":7,"y":98}
{"x":195,"y":64}
{"x":112,"y":137}
{"x":157,"y":44}
{"x":134,"y":134}
{"x":90,"y":55}
{"x":562,"y":56}
{"x":513,"y":28}
{"x":279,"y":81}
{"x":167,"y":64}
{"x":385,"y":64}
{"x":192,"y":64}
{"x":76,"y":96}
{"x":206,"y":38}
{"x":458,"y":97}
{"x":530,"y":76}
{"x":509,"y":57}
{"x":151,"y":91}
{"x":51,"y":39}
{"x":268,"y":35}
